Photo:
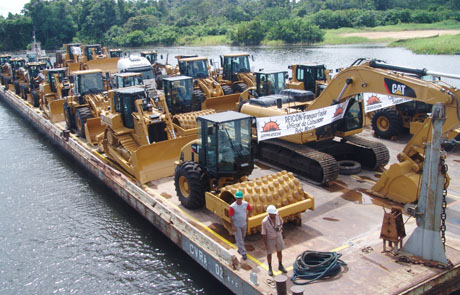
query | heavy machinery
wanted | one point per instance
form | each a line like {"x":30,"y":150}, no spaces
{"x":115,"y":52}
{"x":121,"y":80}
{"x":150,"y":55}
{"x":4,"y":58}
{"x":269,"y":82}
{"x":208,"y":91}
{"x":139,"y":137}
{"x":46,"y":60}
{"x":236,"y":71}
{"x":83,"y":106}
{"x":138,"y":64}
{"x":161,"y":70}
{"x":214,"y":167}
{"x":53,"y":89}
{"x":313,"y":78}
{"x":69,"y":58}
{"x":97,"y":57}
{"x":5,"y":66}
{"x":29,"y":81}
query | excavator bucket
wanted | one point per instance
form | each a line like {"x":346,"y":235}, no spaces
{"x":399,"y":183}
{"x":223,"y":103}
{"x":104,"y":64}
{"x":93,"y":128}
{"x":156,"y":160}
{"x":56,"y":108}
{"x":281,"y":189}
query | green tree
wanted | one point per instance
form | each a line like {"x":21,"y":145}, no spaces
{"x":296,"y":30}
{"x":248,"y":33}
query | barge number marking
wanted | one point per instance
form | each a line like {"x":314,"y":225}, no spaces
{"x":219,"y":271}
{"x":199,"y":255}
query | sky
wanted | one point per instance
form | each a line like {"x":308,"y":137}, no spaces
{"x":13,"y":6}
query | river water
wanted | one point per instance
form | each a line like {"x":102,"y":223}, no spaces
{"x":62,"y":231}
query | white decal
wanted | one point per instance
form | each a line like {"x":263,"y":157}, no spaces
{"x":373,"y":102}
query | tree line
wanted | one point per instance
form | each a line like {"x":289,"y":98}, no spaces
{"x":175,"y":22}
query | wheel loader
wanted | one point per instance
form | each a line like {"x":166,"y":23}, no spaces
{"x":97,"y":57}
{"x":312,"y":77}
{"x":115,"y":52}
{"x":5,"y":67}
{"x":214,"y":167}
{"x":236,"y":72}
{"x":29,"y":80}
{"x":121,"y":80}
{"x":207,"y":90}
{"x":139,"y":137}
{"x":82,"y":108}
{"x":53,"y":89}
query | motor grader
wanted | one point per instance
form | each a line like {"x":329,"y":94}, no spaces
{"x":236,"y":72}
{"x":208,"y":91}
{"x":214,"y":167}
{"x":139,"y":137}
{"x":53,"y":89}
{"x":83,"y":106}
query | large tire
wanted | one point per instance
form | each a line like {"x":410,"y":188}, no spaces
{"x":81,"y":116}
{"x":190,"y":183}
{"x":227,"y":89}
{"x":24,"y":92}
{"x":17,"y":88}
{"x":386,"y":123}
{"x":239,"y":87}
{"x":69,"y":119}
{"x":197,"y":98}
{"x":35,"y":98}
{"x":349,"y":167}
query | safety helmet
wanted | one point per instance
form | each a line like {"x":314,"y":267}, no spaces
{"x":239,"y":195}
{"x":271,"y":209}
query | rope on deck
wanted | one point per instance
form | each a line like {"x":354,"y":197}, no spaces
{"x":311,"y":266}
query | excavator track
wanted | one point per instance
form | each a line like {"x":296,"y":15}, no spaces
{"x":374,"y":154}
{"x":317,"y":167}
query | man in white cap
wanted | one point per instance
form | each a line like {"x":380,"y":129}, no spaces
{"x":239,"y":212}
{"x":272,"y":228}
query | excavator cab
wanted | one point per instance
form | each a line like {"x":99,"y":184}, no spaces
{"x":225,"y":148}
{"x":151,"y":56}
{"x":178,"y":93}
{"x":269,"y":82}
{"x":233,"y":64}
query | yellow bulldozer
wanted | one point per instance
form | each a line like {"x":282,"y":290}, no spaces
{"x":82,"y":108}
{"x":214,"y":167}
{"x":236,"y":72}
{"x":53,"y":89}
{"x":208,"y":91}
{"x":139,"y":137}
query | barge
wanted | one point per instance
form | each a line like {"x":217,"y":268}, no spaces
{"x":345,"y":220}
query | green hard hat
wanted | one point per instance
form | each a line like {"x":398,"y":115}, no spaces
{"x":239,"y":195}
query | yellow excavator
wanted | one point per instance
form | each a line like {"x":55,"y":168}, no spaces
{"x":214,"y":167}
{"x":139,"y":137}
{"x":83,"y":106}
{"x":207,"y":91}
{"x":53,"y":89}
{"x":236,"y":72}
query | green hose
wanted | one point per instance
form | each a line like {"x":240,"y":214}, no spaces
{"x":311,"y":266}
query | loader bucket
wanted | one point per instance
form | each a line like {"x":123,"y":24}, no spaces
{"x":399,"y":184}
{"x":93,"y":128}
{"x":104,"y":64}
{"x":75,"y":66}
{"x":223,"y":103}
{"x":156,"y":160}
{"x":56,"y":109}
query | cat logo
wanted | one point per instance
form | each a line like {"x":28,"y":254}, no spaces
{"x":397,"y":88}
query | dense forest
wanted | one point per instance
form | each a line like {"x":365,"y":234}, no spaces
{"x":175,"y":22}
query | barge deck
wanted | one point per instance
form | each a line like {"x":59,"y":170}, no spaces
{"x":345,"y":220}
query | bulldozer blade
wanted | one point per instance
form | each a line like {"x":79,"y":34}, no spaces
{"x":399,"y":184}
{"x":93,"y":128}
{"x":104,"y":64}
{"x":156,"y":160}
{"x":56,"y":108}
{"x":223,"y":103}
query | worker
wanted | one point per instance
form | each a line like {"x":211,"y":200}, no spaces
{"x":272,"y":229}
{"x":239,"y":211}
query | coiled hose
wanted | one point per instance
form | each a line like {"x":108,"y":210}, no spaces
{"x":311,"y":266}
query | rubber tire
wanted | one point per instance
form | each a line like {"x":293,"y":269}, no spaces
{"x":198,"y":97}
{"x":239,"y":87}
{"x":69,"y":120}
{"x":35,"y":98}
{"x":227,"y":89}
{"x":81,"y":116}
{"x":349,"y":167}
{"x":392,"y":118}
{"x":17,"y":88}
{"x":195,"y":177}
{"x":25,"y":91}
